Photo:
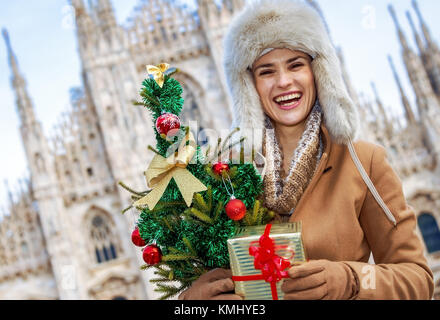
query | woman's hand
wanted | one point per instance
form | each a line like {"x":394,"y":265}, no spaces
{"x":216,"y":284}
{"x":320,"y":279}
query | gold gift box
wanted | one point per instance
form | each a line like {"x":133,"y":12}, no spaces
{"x":286,"y":236}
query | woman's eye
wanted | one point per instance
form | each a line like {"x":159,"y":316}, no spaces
{"x":262,"y":73}
{"x":294,"y":66}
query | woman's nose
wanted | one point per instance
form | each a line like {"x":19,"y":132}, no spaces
{"x":284,"y":79}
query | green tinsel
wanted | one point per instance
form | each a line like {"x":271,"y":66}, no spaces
{"x":169,"y":96}
{"x":210,"y":242}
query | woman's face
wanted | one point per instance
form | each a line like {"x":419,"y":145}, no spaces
{"x":286,"y":86}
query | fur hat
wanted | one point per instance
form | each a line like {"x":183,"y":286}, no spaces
{"x":294,"y":25}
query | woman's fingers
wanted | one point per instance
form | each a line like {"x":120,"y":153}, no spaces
{"x":307,"y":282}
{"x":298,"y":284}
{"x":215,"y":274}
{"x":306,"y":269}
{"x":220,"y":286}
{"x":209,"y":285}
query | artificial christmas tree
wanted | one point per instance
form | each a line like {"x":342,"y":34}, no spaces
{"x":195,"y":201}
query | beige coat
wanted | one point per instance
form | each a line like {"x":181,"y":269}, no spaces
{"x":343,"y":222}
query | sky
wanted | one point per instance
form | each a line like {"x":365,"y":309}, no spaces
{"x":43,"y":38}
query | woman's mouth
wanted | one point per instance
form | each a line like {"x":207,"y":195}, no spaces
{"x":288,"y":101}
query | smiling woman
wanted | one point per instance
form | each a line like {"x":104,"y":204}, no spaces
{"x":285,"y":83}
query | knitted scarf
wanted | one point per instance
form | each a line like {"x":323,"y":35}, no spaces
{"x":283,"y":194}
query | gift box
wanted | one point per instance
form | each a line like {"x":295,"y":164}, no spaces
{"x":260,"y":257}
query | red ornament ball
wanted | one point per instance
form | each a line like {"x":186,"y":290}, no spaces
{"x":235,"y":209}
{"x":136,"y":238}
{"x":219,"y":167}
{"x":167,"y":124}
{"x":152,"y":254}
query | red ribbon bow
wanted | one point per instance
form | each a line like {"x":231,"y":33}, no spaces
{"x":271,"y":265}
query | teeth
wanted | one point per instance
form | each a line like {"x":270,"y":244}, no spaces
{"x":288,"y":97}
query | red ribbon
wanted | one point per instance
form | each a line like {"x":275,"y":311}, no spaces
{"x":271,"y":265}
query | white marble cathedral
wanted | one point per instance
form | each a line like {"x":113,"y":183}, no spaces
{"x":64,"y":236}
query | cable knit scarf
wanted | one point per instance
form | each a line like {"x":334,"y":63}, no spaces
{"x":282,"y":195}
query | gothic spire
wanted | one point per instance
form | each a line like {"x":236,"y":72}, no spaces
{"x":431,"y":55}
{"x":23,"y":100}
{"x":105,"y":7}
{"x":81,"y":14}
{"x":11,"y":56}
{"x":208,"y":11}
{"x":379,"y":103}
{"x":425,"y":29}
{"x":408,"y":111}
{"x":10,"y":197}
{"x":419,"y":41}
{"x":78,"y":4}
{"x":105,"y":4}
{"x":104,"y":14}
{"x":402,"y":37}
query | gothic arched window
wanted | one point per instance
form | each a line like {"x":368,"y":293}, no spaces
{"x":430,"y":231}
{"x":102,"y":238}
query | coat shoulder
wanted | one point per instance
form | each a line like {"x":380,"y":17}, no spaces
{"x":366,"y":146}
{"x":366,"y":149}
{"x":367,"y":152}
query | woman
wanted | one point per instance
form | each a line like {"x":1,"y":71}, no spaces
{"x":285,"y":78}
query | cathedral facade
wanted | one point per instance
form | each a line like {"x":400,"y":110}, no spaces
{"x":64,"y":236}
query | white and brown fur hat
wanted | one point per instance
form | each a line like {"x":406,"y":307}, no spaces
{"x":294,"y":25}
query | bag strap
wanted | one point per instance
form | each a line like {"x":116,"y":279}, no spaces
{"x":370,"y":184}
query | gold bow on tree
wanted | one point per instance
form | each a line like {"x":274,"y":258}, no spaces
{"x":158,"y":72}
{"x":161,"y":170}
